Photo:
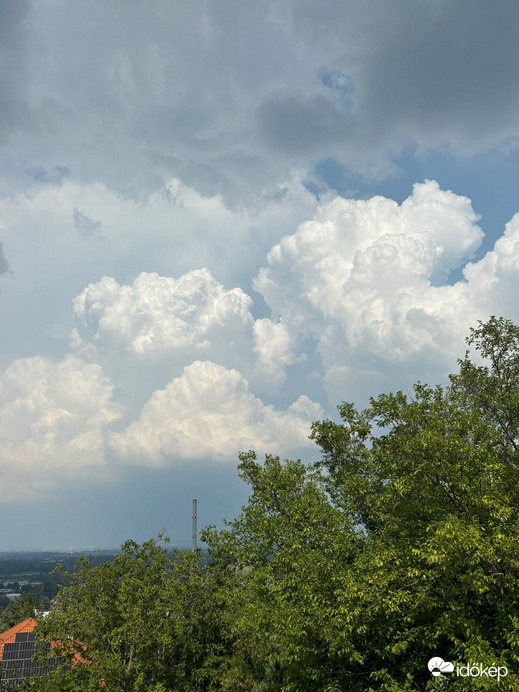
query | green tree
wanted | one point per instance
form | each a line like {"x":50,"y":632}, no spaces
{"x":145,"y":621}
{"x":401,"y":543}
{"x":285,"y":549}
{"x":19,"y":610}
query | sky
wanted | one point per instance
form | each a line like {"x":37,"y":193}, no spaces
{"x":218,"y":221}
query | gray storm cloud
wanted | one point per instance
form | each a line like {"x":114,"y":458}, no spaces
{"x":228,"y":99}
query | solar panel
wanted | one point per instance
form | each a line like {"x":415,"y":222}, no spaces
{"x":17,"y":660}
{"x":24,"y":637}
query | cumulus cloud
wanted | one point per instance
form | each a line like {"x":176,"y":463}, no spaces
{"x":358,"y":250}
{"x":159,"y":324}
{"x":60,"y":423}
{"x":367,"y":280}
{"x":210,"y":413}
{"x":170,"y":232}
{"x":53,"y":419}
{"x":275,"y":348}
{"x":147,"y":171}
{"x":165,"y":368}
{"x":493,"y":282}
{"x":159,"y":315}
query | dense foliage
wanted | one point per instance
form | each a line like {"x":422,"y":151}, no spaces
{"x":401,"y":543}
{"x":19,"y":610}
{"x":30,"y":572}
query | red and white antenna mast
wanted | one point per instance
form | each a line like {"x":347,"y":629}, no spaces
{"x":193,"y":527}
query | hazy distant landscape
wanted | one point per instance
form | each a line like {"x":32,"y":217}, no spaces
{"x":19,"y":567}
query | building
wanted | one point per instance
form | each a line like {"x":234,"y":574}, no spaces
{"x":17,"y":648}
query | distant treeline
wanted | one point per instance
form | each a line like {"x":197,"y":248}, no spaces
{"x":35,"y":563}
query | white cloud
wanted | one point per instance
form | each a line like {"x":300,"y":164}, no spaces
{"x":59,"y":424}
{"x":58,"y":238}
{"x":159,"y":316}
{"x":162,"y":324}
{"x":275,"y":347}
{"x":210,"y":413}
{"x":53,"y":418}
{"x":90,"y":224}
{"x":166,"y":368}
{"x":362,"y":279}
{"x":355,"y":253}
{"x":493,"y":282}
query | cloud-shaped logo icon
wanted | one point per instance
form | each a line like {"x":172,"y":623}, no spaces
{"x":438,"y":666}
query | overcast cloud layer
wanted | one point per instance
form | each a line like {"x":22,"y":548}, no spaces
{"x":200,"y":252}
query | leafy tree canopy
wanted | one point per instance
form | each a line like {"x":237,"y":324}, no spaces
{"x":144,"y":622}
{"x":401,"y":543}
{"x":16,"y":611}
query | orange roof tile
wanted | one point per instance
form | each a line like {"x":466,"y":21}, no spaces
{"x":9,"y":635}
{"x":28,"y":625}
